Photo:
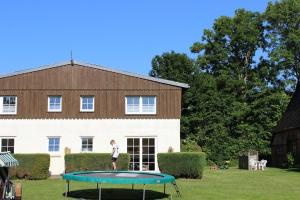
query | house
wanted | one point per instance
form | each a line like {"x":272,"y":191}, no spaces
{"x":286,"y":135}
{"x":83,"y":106}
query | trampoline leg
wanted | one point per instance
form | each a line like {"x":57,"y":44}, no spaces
{"x":164,"y":188}
{"x":67,"y":188}
{"x":132,"y":187}
{"x":97,"y":186}
{"x":144,"y":192}
{"x":100,"y":190}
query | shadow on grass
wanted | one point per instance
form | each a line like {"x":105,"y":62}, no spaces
{"x":293,"y":170}
{"x":116,"y":194}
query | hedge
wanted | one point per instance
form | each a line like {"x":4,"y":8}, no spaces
{"x":94,"y":161}
{"x":31,"y":166}
{"x":186,"y":165}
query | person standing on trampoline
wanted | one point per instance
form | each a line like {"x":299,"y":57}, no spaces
{"x":115,"y":154}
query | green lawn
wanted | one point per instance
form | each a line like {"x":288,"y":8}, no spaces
{"x":232,"y":184}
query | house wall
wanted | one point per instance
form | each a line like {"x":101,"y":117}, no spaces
{"x":31,"y":136}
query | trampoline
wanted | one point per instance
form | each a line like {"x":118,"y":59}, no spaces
{"x":120,"y":177}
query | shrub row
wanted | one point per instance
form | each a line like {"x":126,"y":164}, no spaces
{"x":94,"y":161}
{"x":186,"y":165}
{"x":31,"y":166}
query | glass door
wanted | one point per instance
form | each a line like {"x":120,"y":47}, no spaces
{"x":142,"y":153}
{"x":133,"y":149}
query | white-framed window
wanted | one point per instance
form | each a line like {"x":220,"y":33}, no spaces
{"x":141,"y":105}
{"x":86,"y":144}
{"x":8,"y":144}
{"x":53,"y":144}
{"x":87,"y":103}
{"x":142,"y":151}
{"x":8,"y":105}
{"x":54,"y":103}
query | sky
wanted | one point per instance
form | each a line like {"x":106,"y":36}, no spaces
{"x":123,"y":35}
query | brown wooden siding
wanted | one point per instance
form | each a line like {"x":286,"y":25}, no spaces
{"x":108,"y":103}
{"x":71,"y":82}
{"x":78,"y":78}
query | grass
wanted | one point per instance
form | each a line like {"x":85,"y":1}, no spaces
{"x":232,"y":184}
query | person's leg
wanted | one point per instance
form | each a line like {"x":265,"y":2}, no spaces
{"x":114,"y":165}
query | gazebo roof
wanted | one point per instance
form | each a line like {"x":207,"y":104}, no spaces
{"x":7,"y":160}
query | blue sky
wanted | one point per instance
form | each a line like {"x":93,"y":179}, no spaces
{"x":123,"y":35}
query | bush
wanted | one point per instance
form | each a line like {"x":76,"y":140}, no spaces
{"x":290,"y":160}
{"x":31,"y":166}
{"x":190,"y":145}
{"x":94,"y":161}
{"x":187,"y":165}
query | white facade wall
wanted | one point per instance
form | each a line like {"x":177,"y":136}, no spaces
{"x":31,"y":136}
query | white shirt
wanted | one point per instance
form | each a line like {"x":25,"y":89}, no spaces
{"x":115,"y":153}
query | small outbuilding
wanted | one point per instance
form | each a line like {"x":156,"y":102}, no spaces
{"x":286,"y":135}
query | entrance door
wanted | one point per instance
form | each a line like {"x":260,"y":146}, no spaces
{"x":142,"y":151}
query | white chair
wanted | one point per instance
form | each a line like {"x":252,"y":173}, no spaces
{"x":262,"y":164}
{"x":252,"y":165}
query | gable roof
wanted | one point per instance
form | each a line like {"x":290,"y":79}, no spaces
{"x":159,"y":80}
{"x":291,"y":117}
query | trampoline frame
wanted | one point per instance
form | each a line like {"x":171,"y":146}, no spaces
{"x":164,"y":179}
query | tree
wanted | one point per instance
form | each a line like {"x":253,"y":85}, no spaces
{"x":177,"y":67}
{"x":230,"y":47}
{"x":282,"y":21}
{"x":173,"y":66}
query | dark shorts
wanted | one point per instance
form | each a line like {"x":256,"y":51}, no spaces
{"x":114,"y":159}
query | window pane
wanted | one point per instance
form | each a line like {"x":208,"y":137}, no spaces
{"x":151,"y":100}
{"x":145,"y":100}
{"x":90,"y":106}
{"x":145,"y":158}
{"x":136,"y":142}
{"x":84,"y":107}
{"x":151,"y":142}
{"x":145,"y":150}
{"x":151,"y":150}
{"x":12,"y":100}
{"x":90,"y":100}
{"x":151,"y":166}
{"x":4,"y":142}
{"x":145,"y":141}
{"x":129,"y":142}
{"x":11,"y":142}
{"x":151,"y":158}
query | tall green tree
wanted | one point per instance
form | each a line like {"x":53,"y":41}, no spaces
{"x":282,"y":22}
{"x":236,"y":93}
